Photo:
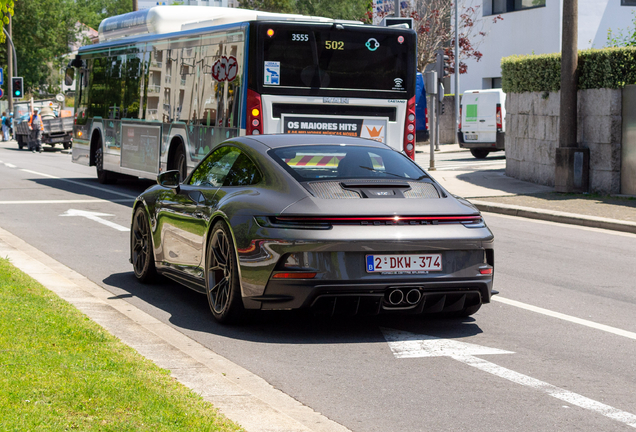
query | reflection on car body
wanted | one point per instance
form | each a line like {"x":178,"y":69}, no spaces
{"x":335,"y":224}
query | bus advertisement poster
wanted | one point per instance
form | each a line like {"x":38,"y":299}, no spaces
{"x":140,"y":147}
{"x":374,"y":128}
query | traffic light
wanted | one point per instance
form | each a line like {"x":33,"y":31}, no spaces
{"x":442,"y":65}
{"x":17,"y":87}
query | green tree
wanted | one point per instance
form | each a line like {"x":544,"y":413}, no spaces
{"x":6,"y":9}
{"x":43,"y":29}
{"x":92,"y":12}
{"x":284,"y":6}
{"x":347,"y":9}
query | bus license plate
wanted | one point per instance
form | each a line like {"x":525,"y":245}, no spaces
{"x":398,"y":263}
{"x":472,"y":137}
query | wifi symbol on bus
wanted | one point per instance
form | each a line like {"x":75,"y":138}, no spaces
{"x":398,"y":82}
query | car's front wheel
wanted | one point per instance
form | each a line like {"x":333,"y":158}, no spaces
{"x":222,"y":283}
{"x":141,"y":254}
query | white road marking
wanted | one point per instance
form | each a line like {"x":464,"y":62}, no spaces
{"x":75,"y":201}
{"x":564,"y":317}
{"x":10,"y":165}
{"x":95,"y":216}
{"x":80,"y":184}
{"x":410,"y":345}
{"x":470,"y":164}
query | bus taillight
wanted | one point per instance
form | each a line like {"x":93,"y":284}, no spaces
{"x":409,"y":129}
{"x":254,"y":124}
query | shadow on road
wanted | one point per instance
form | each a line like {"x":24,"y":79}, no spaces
{"x":120,"y":193}
{"x":188,"y":310}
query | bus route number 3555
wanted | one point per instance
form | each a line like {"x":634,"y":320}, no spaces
{"x":297,"y":37}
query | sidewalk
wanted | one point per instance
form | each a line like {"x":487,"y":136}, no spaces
{"x":492,"y":191}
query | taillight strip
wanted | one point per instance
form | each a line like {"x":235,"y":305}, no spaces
{"x":377,"y":218}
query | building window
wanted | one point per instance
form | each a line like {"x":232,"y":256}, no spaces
{"x":628,"y":2}
{"x":495,"y":83}
{"x":503,"y":6}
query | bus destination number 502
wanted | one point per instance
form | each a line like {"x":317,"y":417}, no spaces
{"x":296,"y":37}
{"x":334,"y":45}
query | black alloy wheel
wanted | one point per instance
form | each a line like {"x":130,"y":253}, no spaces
{"x":143,"y":260}
{"x":103,"y":176}
{"x":221,"y":276}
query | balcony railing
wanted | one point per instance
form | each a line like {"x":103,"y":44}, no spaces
{"x":152,"y":114}
{"x":168,"y":79}
{"x":153,"y":88}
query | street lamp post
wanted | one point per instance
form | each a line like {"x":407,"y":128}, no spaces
{"x":457,"y":92}
{"x":572,"y":163}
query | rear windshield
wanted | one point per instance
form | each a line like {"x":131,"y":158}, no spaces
{"x":323,"y":57}
{"x":336,"y":162}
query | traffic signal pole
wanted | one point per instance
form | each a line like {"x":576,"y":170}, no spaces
{"x":10,"y":68}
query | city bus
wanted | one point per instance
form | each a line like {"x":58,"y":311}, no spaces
{"x":163,"y":86}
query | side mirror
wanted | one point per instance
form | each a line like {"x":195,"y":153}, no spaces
{"x":69,"y":77}
{"x":169,"y":179}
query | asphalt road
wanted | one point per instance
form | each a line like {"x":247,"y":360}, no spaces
{"x":568,"y":366}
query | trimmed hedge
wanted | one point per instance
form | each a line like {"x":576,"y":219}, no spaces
{"x":598,"y":68}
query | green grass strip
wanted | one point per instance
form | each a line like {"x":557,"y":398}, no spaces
{"x":61,"y":371}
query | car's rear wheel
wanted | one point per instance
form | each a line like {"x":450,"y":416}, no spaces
{"x":222,"y":283}
{"x":143,"y":259}
{"x":479,"y":153}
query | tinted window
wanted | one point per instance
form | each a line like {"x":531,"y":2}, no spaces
{"x":243,"y":172}
{"x":345,"y":162}
{"x":215,"y":168}
{"x":327,"y":58}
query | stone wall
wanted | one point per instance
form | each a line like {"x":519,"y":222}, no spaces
{"x":532,"y":135}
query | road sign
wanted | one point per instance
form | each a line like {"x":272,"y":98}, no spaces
{"x":1,"y":77}
{"x":1,"y":93}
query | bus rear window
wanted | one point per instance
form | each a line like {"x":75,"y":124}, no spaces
{"x":324,"y":57}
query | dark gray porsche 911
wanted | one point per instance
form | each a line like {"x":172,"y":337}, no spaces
{"x":340,"y":225}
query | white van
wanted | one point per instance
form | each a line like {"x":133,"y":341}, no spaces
{"x":482,"y":124}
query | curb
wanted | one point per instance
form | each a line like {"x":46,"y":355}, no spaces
{"x":556,"y":216}
{"x":240,"y":395}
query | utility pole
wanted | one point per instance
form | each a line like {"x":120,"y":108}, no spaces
{"x":396,"y":8}
{"x":457,"y":92}
{"x":9,"y":68}
{"x":135,"y":5}
{"x":572,"y":162}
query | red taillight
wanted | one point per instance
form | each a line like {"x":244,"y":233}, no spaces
{"x":459,"y":126}
{"x":294,"y":275}
{"x":409,"y":129}
{"x":485,"y":271}
{"x":499,"y":124}
{"x":426,"y":117}
{"x":254,"y":124}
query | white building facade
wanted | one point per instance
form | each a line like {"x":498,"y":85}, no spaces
{"x":534,"y":27}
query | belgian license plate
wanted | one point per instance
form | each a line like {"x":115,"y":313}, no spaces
{"x":57,"y":139}
{"x":472,"y":137}
{"x":406,"y":263}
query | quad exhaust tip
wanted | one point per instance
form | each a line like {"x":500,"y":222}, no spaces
{"x":412,"y":297}
{"x":396,"y":297}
